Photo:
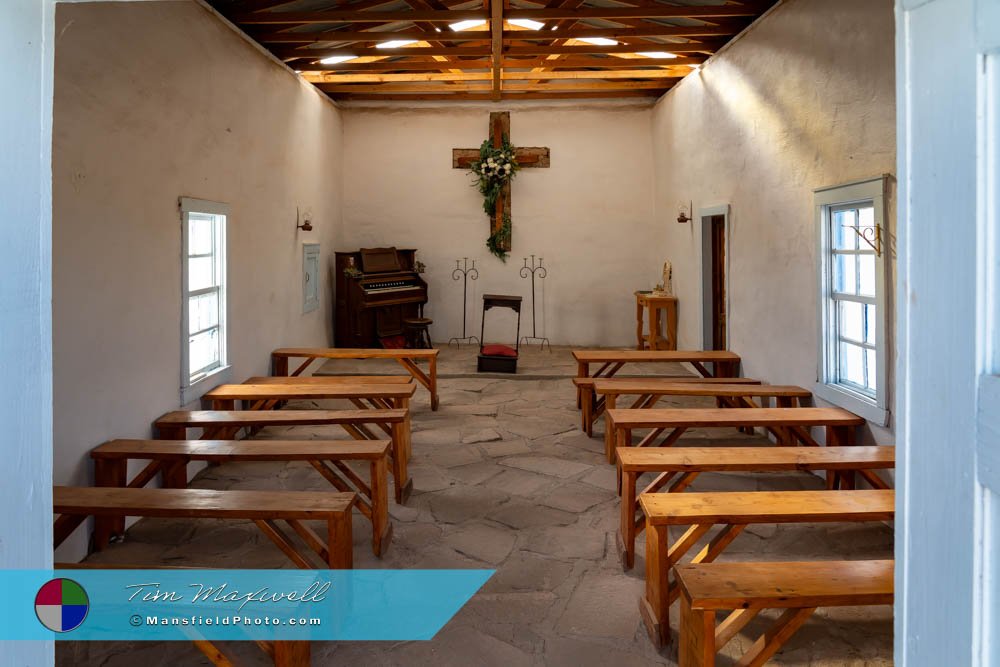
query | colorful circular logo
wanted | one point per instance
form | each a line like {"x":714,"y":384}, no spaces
{"x":61,"y":605}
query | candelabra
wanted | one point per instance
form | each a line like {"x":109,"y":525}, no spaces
{"x":464,"y":272}
{"x":541,"y":273}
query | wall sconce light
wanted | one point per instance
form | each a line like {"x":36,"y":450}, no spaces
{"x":682,"y":212}
{"x":306,"y":225}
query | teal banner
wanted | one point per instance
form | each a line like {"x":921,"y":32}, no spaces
{"x":235,"y":605}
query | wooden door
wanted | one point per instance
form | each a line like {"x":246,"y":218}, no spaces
{"x":717,"y":230}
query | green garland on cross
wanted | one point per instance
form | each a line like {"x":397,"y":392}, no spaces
{"x":499,"y":239}
{"x":493,"y":171}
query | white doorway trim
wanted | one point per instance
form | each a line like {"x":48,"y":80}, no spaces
{"x":705,"y":243}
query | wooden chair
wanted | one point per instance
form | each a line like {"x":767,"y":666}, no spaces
{"x":592,"y":407}
{"x":225,"y":424}
{"x":328,"y":457}
{"x":265,"y":508}
{"x":678,"y":467}
{"x":405,"y":357}
{"x":733,"y":512}
{"x":792,"y":423}
{"x":726,"y":394}
{"x":745,"y":589}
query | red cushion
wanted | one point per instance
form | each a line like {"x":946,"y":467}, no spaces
{"x":499,"y":351}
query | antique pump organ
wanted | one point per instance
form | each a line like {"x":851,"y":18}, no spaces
{"x":376,"y":289}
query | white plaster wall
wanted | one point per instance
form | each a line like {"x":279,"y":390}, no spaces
{"x":25,"y":296}
{"x":153,"y":101}
{"x":805,"y":99}
{"x":589,"y":215}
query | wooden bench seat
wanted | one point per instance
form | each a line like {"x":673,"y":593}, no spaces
{"x":592,"y":406}
{"x":745,"y":589}
{"x":793,"y":422}
{"x":331,"y":379}
{"x":267,"y":396}
{"x":726,"y":394}
{"x":170,"y":458}
{"x":406,"y":358}
{"x":724,"y":363}
{"x":732,"y":511}
{"x":264,"y":508}
{"x":678,"y":467}
{"x":225,"y":424}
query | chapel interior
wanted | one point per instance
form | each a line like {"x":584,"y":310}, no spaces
{"x":287,"y":226}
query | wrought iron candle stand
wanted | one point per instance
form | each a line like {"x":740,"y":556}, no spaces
{"x":541,"y":273}
{"x":464,"y":272}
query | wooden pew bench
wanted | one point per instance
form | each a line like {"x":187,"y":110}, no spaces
{"x":745,"y":589}
{"x":677,"y":468}
{"x":225,"y":424}
{"x":406,"y":358}
{"x":282,"y":652}
{"x":733,"y":512}
{"x":724,"y":363}
{"x":592,"y":407}
{"x":726,"y":394}
{"x":73,"y":505}
{"x":267,"y":396}
{"x":170,"y":457}
{"x":672,"y":423}
{"x":331,"y":379}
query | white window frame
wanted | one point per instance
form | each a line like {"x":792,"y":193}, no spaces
{"x":875,"y":410}
{"x":193,"y":387}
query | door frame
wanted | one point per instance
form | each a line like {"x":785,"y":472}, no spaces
{"x":704,"y":218}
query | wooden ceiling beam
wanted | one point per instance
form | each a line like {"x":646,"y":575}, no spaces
{"x":507,"y":64}
{"x":487,"y":87}
{"x":496,"y":30}
{"x":487,"y":75}
{"x":483,"y":36}
{"x":454,"y":15}
{"x":476,"y":51}
{"x":435,"y":97}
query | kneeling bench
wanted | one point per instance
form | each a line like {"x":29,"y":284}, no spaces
{"x":327,"y":456}
{"x":745,"y":589}
{"x":264,"y":508}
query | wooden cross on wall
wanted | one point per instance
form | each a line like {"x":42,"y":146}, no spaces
{"x":527,"y":158}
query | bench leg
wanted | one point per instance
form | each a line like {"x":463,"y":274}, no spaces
{"x":108,"y":472}
{"x":697,"y":637}
{"x":623,"y":438}
{"x":279,"y":366}
{"x":292,"y":654}
{"x":626,"y":532}
{"x":655,"y":605}
{"x":403,"y":485}
{"x":339,"y":542}
{"x":582,"y":371}
{"x":586,"y":400}
{"x":610,"y":403}
{"x":381,"y":528}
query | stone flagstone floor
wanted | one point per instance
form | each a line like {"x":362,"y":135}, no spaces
{"x":505,"y":479}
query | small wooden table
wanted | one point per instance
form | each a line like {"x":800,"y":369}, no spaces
{"x":653,"y":304}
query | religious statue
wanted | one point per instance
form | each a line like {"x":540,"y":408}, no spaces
{"x":667,"y":287}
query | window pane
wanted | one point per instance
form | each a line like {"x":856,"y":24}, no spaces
{"x":203,"y":311}
{"x":866,"y":274}
{"x":845,"y":274}
{"x":203,"y":350}
{"x":851,"y":320}
{"x":870,"y":321}
{"x":201,"y":273}
{"x":200,"y":233}
{"x":844,"y":238}
{"x":852,"y":364}
{"x":866,"y":216}
{"x":870,"y":361}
